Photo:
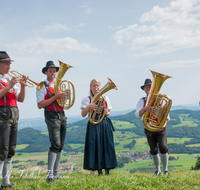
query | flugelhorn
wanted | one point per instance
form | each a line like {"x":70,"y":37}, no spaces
{"x":29,"y":82}
{"x":67,"y":102}
{"x":96,"y":116}
{"x":160,"y":103}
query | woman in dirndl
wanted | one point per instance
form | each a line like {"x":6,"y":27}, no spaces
{"x":99,"y":150}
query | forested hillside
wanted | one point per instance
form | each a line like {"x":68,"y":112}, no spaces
{"x":183,"y":124}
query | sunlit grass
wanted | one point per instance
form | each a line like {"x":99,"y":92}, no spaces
{"x":21,"y":146}
{"x":186,"y":121}
{"x":83,"y":180}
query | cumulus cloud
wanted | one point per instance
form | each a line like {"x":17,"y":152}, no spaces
{"x":88,"y":10}
{"x":114,"y":27}
{"x":83,"y":24}
{"x":163,"y":29}
{"x":53,"y":27}
{"x":178,"y":64}
{"x":52,"y":45}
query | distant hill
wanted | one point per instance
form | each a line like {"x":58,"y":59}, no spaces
{"x":183,"y":124}
{"x":186,"y":106}
{"x":39,"y":123}
{"x":37,"y":141}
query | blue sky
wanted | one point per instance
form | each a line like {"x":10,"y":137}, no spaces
{"x":117,"y":39}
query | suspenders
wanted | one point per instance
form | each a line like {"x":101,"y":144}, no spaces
{"x":4,"y":97}
{"x":50,"y":96}
{"x":145,"y":100}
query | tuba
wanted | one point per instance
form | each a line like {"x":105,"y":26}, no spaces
{"x":68,"y":88}
{"x":99,"y":100}
{"x":160,"y":104}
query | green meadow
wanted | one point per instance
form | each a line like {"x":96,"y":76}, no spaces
{"x":178,"y":179}
{"x":123,"y":135}
{"x":187,"y":121}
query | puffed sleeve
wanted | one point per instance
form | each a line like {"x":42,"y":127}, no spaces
{"x":40,"y":94}
{"x":139,"y":106}
{"x":109,"y":106}
{"x":85,"y":102}
{"x":16,"y":91}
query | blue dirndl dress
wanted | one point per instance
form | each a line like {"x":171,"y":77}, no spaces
{"x":99,"y":150}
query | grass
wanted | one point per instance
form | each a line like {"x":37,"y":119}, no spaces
{"x":193,"y":145}
{"x":122,"y":124}
{"x":186,"y":121}
{"x":181,"y":141}
{"x":32,"y":180}
{"x":21,"y":146}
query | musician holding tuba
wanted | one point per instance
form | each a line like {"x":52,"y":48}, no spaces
{"x":54,"y":118}
{"x":9,"y":115}
{"x":157,"y":138}
{"x":99,"y":150}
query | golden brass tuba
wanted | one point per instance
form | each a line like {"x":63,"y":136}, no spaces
{"x":99,"y":99}
{"x":160,"y":104}
{"x":67,"y":102}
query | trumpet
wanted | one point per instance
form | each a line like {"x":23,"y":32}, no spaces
{"x":30,"y":82}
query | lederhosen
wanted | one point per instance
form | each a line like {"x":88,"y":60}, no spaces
{"x":9,"y":116}
{"x":156,"y":139}
{"x":56,"y":122}
{"x":99,"y":150}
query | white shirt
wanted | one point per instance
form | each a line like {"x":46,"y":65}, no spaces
{"x":16,"y":89}
{"x":86,"y":101}
{"x":40,"y":94}
{"x":140,"y":105}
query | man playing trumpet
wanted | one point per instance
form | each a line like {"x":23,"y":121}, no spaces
{"x":54,"y":118}
{"x":9,"y":115}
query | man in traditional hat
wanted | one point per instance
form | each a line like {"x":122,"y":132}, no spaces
{"x":9,"y":115}
{"x":54,"y":118}
{"x":155,"y":139}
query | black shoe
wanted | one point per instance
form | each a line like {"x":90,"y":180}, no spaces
{"x":166,"y":173}
{"x":100,"y":172}
{"x":107,"y":171}
{"x":50,"y":180}
{"x":157,"y":173}
{"x":8,"y":186}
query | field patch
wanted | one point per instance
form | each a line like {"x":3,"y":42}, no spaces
{"x":122,"y":125}
{"x":21,"y":146}
{"x":187,"y":121}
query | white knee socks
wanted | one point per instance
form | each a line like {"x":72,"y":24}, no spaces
{"x":51,"y":162}
{"x":156,"y":161}
{"x":164,"y":160}
{"x":56,"y":165}
{"x":6,"y":171}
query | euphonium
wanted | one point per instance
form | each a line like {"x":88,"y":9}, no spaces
{"x":98,"y":99}
{"x":160,"y":104}
{"x":67,"y":102}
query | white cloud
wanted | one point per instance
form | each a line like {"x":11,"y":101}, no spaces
{"x":88,"y":11}
{"x":52,"y":45}
{"x":114,"y":27}
{"x":163,"y":30}
{"x":178,"y":64}
{"x":53,"y":27}
{"x":83,"y":24}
